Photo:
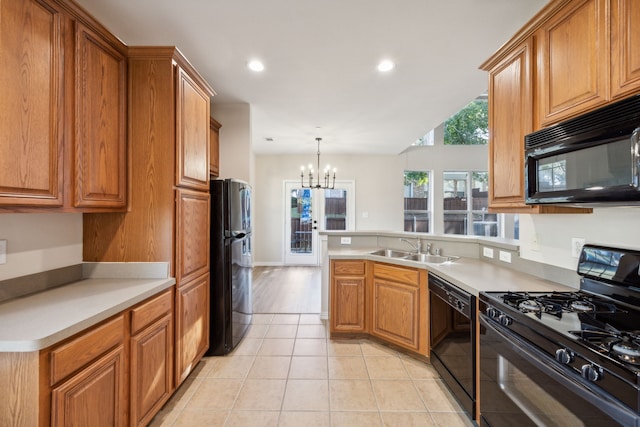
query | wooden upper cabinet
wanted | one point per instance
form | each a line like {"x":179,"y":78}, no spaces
{"x":31,"y":107}
{"x":625,"y":54}
{"x":101,"y":104}
{"x":192,"y":127}
{"x":510,"y":119}
{"x":214,"y":158}
{"x":573,"y":61}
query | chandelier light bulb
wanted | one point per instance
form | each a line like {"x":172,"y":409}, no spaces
{"x":321,"y":182}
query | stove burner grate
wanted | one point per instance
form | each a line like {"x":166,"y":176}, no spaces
{"x":625,"y":346}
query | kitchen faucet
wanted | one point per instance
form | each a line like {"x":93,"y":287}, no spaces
{"x":417,"y":246}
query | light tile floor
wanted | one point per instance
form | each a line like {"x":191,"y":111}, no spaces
{"x":287,"y":373}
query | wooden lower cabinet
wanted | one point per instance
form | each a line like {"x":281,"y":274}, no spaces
{"x":93,"y":396}
{"x":192,"y":325}
{"x":151,"y":363}
{"x":399,"y":308}
{"x":387,"y":301}
{"x":348,"y":294}
{"x":117,"y":373}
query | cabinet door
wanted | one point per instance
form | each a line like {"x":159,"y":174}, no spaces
{"x":573,"y":50}
{"x":192,"y":325}
{"x":396,"y":315}
{"x":31,"y":107}
{"x":100,"y":152}
{"x":151,"y":370}
{"x":348,"y":304}
{"x":625,"y":40}
{"x":94,"y":396}
{"x":192,"y":133}
{"x":192,"y":235}
{"x":510,"y":104}
{"x":214,"y":158}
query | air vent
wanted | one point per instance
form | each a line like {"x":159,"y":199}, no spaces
{"x":622,"y":117}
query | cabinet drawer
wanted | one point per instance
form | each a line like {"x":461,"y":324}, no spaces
{"x":149,"y":311}
{"x":87,"y":347}
{"x":348,"y":267}
{"x":406,"y":275}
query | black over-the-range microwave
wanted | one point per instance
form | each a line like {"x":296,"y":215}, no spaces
{"x":590,"y":159}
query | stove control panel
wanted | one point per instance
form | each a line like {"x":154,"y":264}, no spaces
{"x":495,"y":314}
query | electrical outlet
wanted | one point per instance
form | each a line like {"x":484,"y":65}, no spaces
{"x":505,"y":256}
{"x":345,"y":240}
{"x":487,"y":252}
{"x":576,"y":246}
{"x":3,"y":251}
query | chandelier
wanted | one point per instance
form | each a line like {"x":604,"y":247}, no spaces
{"x":326,"y":178}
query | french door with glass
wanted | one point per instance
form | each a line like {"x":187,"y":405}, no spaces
{"x":308,"y":211}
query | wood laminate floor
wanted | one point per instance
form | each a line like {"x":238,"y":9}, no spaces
{"x":286,"y":290}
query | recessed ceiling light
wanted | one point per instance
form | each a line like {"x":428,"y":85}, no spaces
{"x":386,"y":65}
{"x":255,"y":65}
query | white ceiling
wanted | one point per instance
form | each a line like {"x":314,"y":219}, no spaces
{"x":320,"y":59}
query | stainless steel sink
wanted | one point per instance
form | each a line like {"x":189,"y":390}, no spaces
{"x":391,"y":253}
{"x":433,"y":259}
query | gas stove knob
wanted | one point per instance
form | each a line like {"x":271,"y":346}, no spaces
{"x":564,"y":356}
{"x":492,"y":312}
{"x":460,"y":305}
{"x":591,"y":373}
{"x":505,"y":320}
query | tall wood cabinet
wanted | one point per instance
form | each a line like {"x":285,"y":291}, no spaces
{"x":168,"y":216}
{"x":63,"y":114}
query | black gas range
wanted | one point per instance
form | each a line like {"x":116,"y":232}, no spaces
{"x":565,"y":358}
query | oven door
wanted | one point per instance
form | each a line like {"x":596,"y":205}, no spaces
{"x":522,"y":386}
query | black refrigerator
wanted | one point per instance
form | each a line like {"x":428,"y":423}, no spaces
{"x":231,"y":264}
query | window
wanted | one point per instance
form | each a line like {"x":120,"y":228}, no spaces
{"x":417,"y":214}
{"x":427,"y":139}
{"x":465,"y":204}
{"x":335,"y":209}
{"x":469,"y":126}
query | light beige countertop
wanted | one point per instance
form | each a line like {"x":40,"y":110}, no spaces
{"x":469,"y":274}
{"x":34,"y":322}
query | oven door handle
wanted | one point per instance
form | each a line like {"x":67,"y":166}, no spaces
{"x":625,"y":416}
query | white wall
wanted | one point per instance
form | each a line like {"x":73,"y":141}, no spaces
{"x":547,"y":238}
{"x":236,"y":154}
{"x":40,"y":241}
{"x":379,"y":181}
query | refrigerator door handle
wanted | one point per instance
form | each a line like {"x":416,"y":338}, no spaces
{"x":237,"y":234}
